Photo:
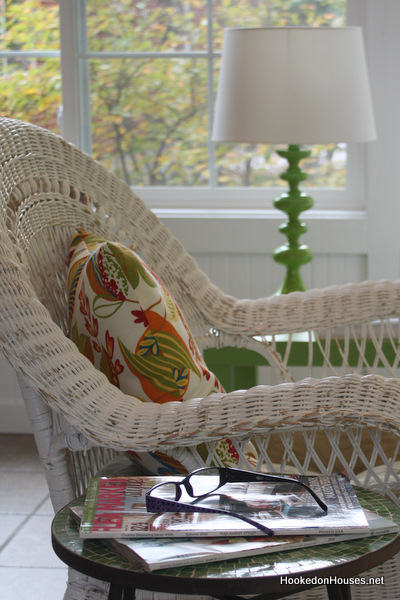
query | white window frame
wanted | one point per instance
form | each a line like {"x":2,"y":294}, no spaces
{"x":76,"y":128}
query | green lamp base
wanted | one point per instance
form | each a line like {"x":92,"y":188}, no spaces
{"x":293,"y":255}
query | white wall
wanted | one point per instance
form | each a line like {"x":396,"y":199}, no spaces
{"x":380,"y":21}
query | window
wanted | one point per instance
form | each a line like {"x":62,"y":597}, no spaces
{"x":139,"y":82}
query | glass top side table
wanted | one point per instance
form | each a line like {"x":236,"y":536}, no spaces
{"x":269,"y":576}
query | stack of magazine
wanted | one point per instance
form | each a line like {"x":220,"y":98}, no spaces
{"x":115,"y":511}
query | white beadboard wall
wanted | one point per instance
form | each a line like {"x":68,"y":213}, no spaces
{"x":257,"y":275}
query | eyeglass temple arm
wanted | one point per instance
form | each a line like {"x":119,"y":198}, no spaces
{"x":237,"y":475}
{"x":180,"y":507}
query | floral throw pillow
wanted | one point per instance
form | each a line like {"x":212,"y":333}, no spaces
{"x":123,"y":319}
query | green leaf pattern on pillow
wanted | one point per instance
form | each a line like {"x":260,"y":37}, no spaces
{"x":127,"y":323}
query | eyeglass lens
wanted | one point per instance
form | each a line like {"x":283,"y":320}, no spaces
{"x":204,"y":481}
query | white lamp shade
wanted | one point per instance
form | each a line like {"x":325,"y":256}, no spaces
{"x":294,"y":85}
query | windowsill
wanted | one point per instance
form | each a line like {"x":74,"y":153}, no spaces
{"x":243,"y":200}
{"x":254,"y":213}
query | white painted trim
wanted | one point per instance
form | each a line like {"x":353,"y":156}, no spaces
{"x":243,"y":198}
{"x":70,"y":96}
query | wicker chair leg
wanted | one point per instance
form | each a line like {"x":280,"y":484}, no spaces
{"x":54,"y":463}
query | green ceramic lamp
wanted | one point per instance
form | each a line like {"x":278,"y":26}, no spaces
{"x":293,"y":85}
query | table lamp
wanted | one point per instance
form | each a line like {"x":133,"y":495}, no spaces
{"x":293,"y":85}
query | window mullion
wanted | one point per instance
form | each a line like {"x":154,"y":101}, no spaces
{"x":83,"y":75}
{"x":69,"y":122}
{"x":75,"y":123}
{"x":210,"y":92}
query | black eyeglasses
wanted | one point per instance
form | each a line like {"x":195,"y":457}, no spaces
{"x":164,"y":497}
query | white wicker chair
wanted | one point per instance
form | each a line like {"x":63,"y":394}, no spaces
{"x":48,"y":188}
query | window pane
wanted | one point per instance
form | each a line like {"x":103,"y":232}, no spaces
{"x":259,"y":165}
{"x":30,"y":90}
{"x":30,"y":85}
{"x":275,"y":13}
{"x":147,"y":26}
{"x":149,"y":119}
{"x":29,"y":25}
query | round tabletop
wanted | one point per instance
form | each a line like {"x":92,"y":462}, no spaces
{"x":271,"y":575}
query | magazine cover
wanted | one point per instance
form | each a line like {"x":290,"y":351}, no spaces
{"x":151,"y":554}
{"x":115,"y":507}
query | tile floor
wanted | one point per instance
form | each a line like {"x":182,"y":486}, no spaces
{"x":28,"y":565}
